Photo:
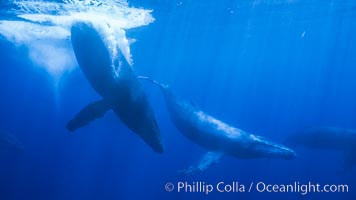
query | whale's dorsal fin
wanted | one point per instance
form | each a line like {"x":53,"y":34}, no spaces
{"x":87,"y":114}
{"x":208,"y":159}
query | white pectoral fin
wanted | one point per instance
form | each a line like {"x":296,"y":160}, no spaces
{"x":87,"y":114}
{"x":203,"y":164}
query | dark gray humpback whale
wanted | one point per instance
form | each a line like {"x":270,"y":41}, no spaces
{"x":9,"y":142}
{"x":329,"y":138}
{"x":113,"y":78}
{"x":216,"y":136}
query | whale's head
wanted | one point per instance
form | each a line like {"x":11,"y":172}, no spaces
{"x":280,"y":151}
{"x":265,"y":148}
{"x":89,"y":47}
{"x":102,"y":64}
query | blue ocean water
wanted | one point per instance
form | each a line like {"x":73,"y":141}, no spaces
{"x":270,"y":67}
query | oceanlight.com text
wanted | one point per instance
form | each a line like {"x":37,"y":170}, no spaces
{"x":303,"y":189}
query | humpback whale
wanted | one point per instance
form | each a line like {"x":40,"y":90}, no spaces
{"x":9,"y":142}
{"x":328,"y":138}
{"x":113,"y":78}
{"x":216,"y":136}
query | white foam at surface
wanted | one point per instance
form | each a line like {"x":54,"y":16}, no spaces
{"x":22,"y":32}
{"x":45,"y":28}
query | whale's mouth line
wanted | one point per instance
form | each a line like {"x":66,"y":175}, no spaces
{"x":44,"y":27}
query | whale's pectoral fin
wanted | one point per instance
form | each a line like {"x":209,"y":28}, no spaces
{"x":207,"y":160}
{"x":87,"y":114}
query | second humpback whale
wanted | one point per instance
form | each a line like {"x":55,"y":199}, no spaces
{"x":216,"y":136}
{"x":113,"y":78}
{"x":329,"y":138}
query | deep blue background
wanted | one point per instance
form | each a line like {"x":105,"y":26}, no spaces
{"x":271,"y":68}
